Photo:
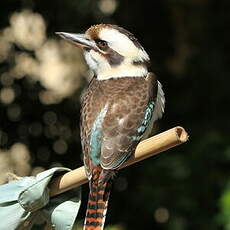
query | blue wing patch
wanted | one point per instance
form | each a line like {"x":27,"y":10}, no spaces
{"x":96,"y":138}
{"x":145,"y":122}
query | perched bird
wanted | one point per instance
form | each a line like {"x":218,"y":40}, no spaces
{"x":118,"y":109}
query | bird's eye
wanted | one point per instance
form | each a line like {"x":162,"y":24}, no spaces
{"x":102,"y":44}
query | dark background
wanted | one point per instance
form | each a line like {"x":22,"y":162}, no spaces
{"x":188,"y":42}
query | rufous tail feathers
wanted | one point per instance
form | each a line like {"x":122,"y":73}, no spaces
{"x":97,"y":202}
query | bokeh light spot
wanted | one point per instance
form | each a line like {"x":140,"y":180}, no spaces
{"x":6,"y":79}
{"x":7,"y":95}
{"x":21,"y":158}
{"x":32,"y":25}
{"x":60,"y":146}
{"x":107,"y":7}
{"x":5,"y":47}
{"x":50,"y":118}
{"x":161,"y":215}
{"x":14,"y":112}
{"x":51,"y":131}
{"x":65,"y":132}
{"x":121,"y":184}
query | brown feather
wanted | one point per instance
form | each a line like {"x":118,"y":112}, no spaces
{"x":126,"y":98}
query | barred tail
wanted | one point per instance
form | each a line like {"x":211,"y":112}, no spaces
{"x":97,"y":205}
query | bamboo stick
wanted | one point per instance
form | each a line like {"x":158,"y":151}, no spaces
{"x":145,"y":149}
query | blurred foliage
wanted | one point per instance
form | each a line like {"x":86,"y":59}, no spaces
{"x":42,"y":77}
{"x":225,"y":208}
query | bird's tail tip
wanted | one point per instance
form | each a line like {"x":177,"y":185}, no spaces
{"x":97,"y":206}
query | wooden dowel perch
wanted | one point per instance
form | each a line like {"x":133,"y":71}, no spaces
{"x":145,"y":149}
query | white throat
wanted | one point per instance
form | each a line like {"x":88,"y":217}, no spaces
{"x":123,"y":70}
{"x":105,"y":71}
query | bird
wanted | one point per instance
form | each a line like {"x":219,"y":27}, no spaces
{"x":118,"y":108}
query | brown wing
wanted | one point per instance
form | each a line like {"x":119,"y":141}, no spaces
{"x":123,"y":124}
{"x":126,"y":100}
{"x":91,"y":104}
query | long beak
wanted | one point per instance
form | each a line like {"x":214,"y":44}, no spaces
{"x":78,"y":40}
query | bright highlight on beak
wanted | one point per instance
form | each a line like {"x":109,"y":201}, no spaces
{"x":79,"y":40}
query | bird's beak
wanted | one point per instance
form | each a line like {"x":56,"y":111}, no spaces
{"x":79,"y":40}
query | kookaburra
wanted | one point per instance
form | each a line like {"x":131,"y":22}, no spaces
{"x":118,"y":108}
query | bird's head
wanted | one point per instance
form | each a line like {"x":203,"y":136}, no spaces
{"x":111,"y":51}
